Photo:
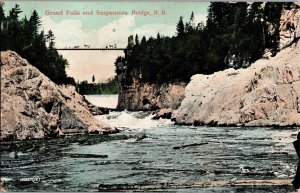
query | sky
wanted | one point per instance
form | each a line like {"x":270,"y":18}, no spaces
{"x":99,"y":30}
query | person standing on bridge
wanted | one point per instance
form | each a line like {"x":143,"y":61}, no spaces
{"x":296,"y":181}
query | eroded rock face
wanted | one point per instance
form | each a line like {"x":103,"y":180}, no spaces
{"x":32,"y":106}
{"x":289,"y":27}
{"x":146,"y":96}
{"x":266,"y":93}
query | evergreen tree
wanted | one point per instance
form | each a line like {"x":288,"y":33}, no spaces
{"x":235,"y":36}
{"x":158,"y":36}
{"x":14,"y":13}
{"x":2,"y":16}
{"x":143,"y":41}
{"x":180,"y":27}
{"x":192,"y":20}
{"x":190,"y":26}
{"x":137,"y":40}
{"x":24,"y":37}
{"x":3,"y":29}
{"x":50,"y":38}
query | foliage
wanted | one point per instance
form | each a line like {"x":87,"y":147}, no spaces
{"x":235,"y":35}
{"x":180,"y":27}
{"x":109,"y":87}
{"x":25,"y":37}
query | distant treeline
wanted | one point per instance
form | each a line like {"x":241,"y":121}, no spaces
{"x":110,"y":87}
{"x":25,"y":37}
{"x":235,"y":35}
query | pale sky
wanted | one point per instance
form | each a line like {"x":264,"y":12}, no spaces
{"x":100,"y":31}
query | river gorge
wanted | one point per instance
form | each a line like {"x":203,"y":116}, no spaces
{"x":152,"y":152}
{"x":228,"y":131}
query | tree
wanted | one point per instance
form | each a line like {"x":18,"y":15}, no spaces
{"x":136,"y":39}
{"x":2,"y":16}
{"x":235,"y":35}
{"x":24,"y":37}
{"x":3,"y":29}
{"x":93,"y":79}
{"x":14,"y":13}
{"x":35,"y":22}
{"x":192,"y":20}
{"x":158,"y":36}
{"x":50,"y":38}
{"x":190,"y":26}
{"x":180,"y":27}
{"x":14,"y":27}
{"x":143,"y":41}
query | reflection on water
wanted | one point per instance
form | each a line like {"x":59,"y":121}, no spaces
{"x":109,"y":101}
{"x":200,"y":154}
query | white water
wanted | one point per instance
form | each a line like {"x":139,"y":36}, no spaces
{"x":125,"y":119}
{"x":133,"y":120}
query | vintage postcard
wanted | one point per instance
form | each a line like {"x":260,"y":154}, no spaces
{"x":149,"y":96}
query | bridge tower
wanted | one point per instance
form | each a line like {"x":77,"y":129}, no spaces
{"x":130,"y":41}
{"x":129,"y":46}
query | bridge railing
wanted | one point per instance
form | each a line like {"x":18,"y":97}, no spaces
{"x":91,"y":49}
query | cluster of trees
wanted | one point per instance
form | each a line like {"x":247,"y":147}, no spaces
{"x":109,"y":87}
{"x":235,"y":35}
{"x":25,"y":37}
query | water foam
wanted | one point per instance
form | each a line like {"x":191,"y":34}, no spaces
{"x":133,"y":120}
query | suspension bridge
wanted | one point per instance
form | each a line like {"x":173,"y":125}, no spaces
{"x":92,"y":49}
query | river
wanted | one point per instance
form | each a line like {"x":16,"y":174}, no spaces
{"x":168,"y":154}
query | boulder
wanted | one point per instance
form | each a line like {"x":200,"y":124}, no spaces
{"x":32,"y":106}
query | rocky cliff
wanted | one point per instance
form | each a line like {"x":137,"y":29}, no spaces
{"x":289,"y":27}
{"x":32,"y":106}
{"x":146,"y":96}
{"x":266,"y":93}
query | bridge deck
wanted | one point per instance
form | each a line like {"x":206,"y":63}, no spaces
{"x":92,"y":49}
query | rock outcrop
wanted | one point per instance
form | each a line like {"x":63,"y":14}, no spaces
{"x":146,"y":96}
{"x":265,"y":94}
{"x":32,"y":106}
{"x":289,"y":27}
